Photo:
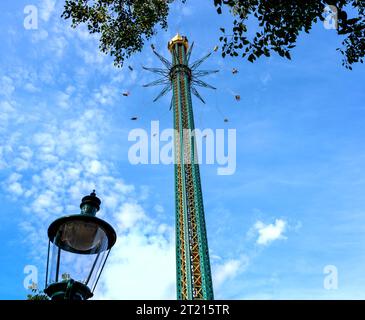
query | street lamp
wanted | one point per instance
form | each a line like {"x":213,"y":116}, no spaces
{"x":78,"y":248}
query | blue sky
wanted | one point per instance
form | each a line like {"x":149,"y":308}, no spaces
{"x":294,"y":205}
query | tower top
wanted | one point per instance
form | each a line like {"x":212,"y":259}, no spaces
{"x":178,"y":39}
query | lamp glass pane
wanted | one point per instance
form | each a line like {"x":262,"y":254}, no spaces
{"x":84,"y":268}
{"x":81,"y":237}
{"x":78,"y":251}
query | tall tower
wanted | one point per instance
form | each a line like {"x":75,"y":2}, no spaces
{"x":193,"y":273}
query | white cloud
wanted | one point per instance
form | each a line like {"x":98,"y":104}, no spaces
{"x":60,"y":164}
{"x":144,"y":192}
{"x":14,"y":177}
{"x":46,"y":9}
{"x":91,"y":56}
{"x":16,"y":188}
{"x":6,"y":108}
{"x":20,"y":164}
{"x":6,"y":86}
{"x":105,"y":95}
{"x":265,"y":78}
{"x":228,"y":270}
{"x":70,"y":89}
{"x":142,"y":264}
{"x":30,"y":87}
{"x":83,"y":33}
{"x":128,"y":215}
{"x":158,"y":208}
{"x":187,"y":10}
{"x":13,"y":185}
{"x":47,"y":73}
{"x":270,"y":232}
{"x":43,"y":203}
{"x":6,"y":114}
{"x":132,"y":77}
{"x":57,"y":45}
{"x":2,"y":161}
{"x":94,"y":167}
{"x":63,"y":100}
{"x":39,"y":35}
{"x":25,"y":152}
{"x":45,"y":142}
{"x":5,"y":150}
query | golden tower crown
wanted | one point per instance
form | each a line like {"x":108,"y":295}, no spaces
{"x":178,"y":39}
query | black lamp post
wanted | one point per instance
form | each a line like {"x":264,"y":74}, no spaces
{"x":78,"y":248}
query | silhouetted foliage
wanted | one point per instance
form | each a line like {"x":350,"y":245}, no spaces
{"x":37,"y":295}
{"x":124,"y":25}
{"x":281,"y":21}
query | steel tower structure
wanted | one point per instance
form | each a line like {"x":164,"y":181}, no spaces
{"x":193,"y":273}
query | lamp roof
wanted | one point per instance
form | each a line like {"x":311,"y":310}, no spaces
{"x":57,"y":225}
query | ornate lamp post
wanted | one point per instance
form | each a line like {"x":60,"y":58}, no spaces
{"x":78,"y":248}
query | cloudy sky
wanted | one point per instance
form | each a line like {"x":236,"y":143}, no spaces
{"x":294,"y":206}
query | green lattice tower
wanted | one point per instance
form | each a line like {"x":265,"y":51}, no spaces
{"x":194,"y":280}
